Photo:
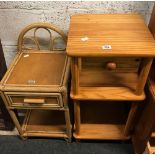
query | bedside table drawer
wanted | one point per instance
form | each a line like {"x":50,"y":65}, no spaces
{"x":110,"y":72}
{"x":111,"y":64}
{"x":34,"y":100}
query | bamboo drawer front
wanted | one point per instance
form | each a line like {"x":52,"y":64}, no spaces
{"x":34,"y":100}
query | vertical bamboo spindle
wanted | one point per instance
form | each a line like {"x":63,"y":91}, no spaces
{"x":16,"y":122}
{"x":68,"y":124}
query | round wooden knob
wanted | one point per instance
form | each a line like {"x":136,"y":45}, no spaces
{"x":111,"y":65}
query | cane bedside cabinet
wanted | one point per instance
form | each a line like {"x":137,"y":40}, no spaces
{"x":37,"y":83}
{"x":111,"y":55}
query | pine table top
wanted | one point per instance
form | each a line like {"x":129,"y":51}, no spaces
{"x":109,"y":35}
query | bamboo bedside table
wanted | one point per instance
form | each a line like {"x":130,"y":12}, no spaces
{"x":37,"y":82}
{"x":111,"y":57}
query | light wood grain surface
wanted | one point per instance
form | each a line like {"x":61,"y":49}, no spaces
{"x":107,"y":93}
{"x":126,"y":33}
{"x":101,"y":131}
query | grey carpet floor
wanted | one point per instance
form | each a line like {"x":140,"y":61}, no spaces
{"x":13,"y":144}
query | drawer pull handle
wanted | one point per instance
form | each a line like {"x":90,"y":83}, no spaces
{"x":111,"y":65}
{"x":28,"y":100}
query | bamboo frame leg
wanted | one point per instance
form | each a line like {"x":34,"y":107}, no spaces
{"x":68,"y":124}
{"x":15,"y":120}
{"x":145,"y":68}
{"x":131,"y":119}
{"x":77,"y":117}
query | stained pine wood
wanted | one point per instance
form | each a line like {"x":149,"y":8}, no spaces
{"x":75,"y":74}
{"x":107,"y":93}
{"x":77,"y":117}
{"x":126,"y":33}
{"x":118,"y":73}
{"x":98,"y":123}
{"x":131,"y":118}
{"x":122,"y":64}
{"x":143,"y":137}
{"x":147,"y":62}
{"x":101,"y":131}
{"x":107,"y":78}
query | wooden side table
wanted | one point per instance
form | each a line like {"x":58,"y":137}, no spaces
{"x":37,"y":84}
{"x":111,"y":57}
{"x":5,"y":120}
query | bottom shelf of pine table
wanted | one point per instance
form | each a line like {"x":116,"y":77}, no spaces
{"x":44,"y":123}
{"x":102,"y":120}
{"x":101,"y":132}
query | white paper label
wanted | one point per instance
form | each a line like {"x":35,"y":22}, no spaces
{"x":26,"y":55}
{"x":106,"y":47}
{"x":84,"y":38}
{"x":31,"y":81}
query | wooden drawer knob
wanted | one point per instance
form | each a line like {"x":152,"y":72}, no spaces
{"x":111,"y":65}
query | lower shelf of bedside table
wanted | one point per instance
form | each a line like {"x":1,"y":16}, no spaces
{"x":49,"y":123}
{"x":101,"y":131}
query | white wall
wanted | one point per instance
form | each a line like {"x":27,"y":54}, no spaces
{"x":16,"y":15}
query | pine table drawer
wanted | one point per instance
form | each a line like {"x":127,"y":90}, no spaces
{"x":112,"y":64}
{"x":30,"y":100}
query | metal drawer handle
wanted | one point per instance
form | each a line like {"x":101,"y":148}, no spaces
{"x":29,"y":100}
{"x":111,"y":65}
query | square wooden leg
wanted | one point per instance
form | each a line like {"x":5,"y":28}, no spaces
{"x":77,"y":117}
{"x":131,"y":118}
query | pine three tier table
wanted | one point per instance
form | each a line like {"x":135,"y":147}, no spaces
{"x":36,"y":84}
{"x":111,"y":55}
{"x":144,"y":135}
